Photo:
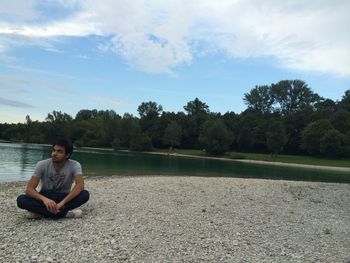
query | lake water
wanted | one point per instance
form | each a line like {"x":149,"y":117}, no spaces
{"x":17,"y":162}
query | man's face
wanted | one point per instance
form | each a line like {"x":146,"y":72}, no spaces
{"x":58,"y":154}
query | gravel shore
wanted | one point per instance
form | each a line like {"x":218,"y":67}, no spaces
{"x":186,"y":219}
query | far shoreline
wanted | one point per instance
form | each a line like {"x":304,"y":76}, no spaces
{"x":296,"y":165}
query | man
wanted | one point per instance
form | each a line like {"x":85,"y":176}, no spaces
{"x":56,"y":176}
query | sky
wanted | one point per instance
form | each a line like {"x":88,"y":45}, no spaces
{"x":69,"y":55}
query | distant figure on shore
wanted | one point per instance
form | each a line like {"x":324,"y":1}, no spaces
{"x":56,"y":176}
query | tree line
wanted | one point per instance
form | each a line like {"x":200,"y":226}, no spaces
{"x":285,"y":117}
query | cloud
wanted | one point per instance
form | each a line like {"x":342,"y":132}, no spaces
{"x":40,"y":71}
{"x":20,"y":84}
{"x":18,"y":10}
{"x":160,"y":36}
{"x":14,"y":103}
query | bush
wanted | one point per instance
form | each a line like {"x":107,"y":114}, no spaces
{"x":332,"y":144}
{"x":312,"y":134}
{"x":276,"y":137}
{"x":116,"y":144}
{"x":215,"y":137}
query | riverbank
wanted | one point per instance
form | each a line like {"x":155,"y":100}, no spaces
{"x":186,"y":219}
{"x":297,"y":165}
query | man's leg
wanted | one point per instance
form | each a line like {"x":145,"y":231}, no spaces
{"x":38,"y":207}
{"x":79,"y":200}
{"x":32,"y":205}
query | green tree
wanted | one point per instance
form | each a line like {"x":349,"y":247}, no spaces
{"x":260,"y":99}
{"x":332,"y":144}
{"x":294,"y":125}
{"x":231,"y":121}
{"x":340,"y":120}
{"x":197,"y":114}
{"x":196,"y":107}
{"x":245,"y":139}
{"x":58,"y":124}
{"x":293,"y":96}
{"x":149,"y":113}
{"x":345,"y":102}
{"x":28,"y":129}
{"x":84,"y":115}
{"x":347,"y":143}
{"x":149,"y":110}
{"x":276,"y":137}
{"x":312,"y":134}
{"x":252,"y":131}
{"x":116,"y":144}
{"x":139,"y":141}
{"x":127,"y":124}
{"x":58,"y":116}
{"x":215,"y":137}
{"x":109,"y":122}
{"x":172,"y":134}
{"x":326,"y":104}
{"x":86,"y":133}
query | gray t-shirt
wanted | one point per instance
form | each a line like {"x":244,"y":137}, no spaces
{"x":61,"y":181}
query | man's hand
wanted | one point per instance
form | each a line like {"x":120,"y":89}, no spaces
{"x":60,"y":205}
{"x":51,"y":206}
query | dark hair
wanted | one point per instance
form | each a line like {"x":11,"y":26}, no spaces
{"x":67,"y":144}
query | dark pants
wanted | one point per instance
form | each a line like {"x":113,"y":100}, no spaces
{"x":38,"y":207}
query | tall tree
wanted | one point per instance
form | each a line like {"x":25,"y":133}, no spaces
{"x":197,"y":113}
{"x":86,"y":115}
{"x":149,"y":110}
{"x":260,"y":99}
{"x":127,"y":124}
{"x":312,"y":134}
{"x":293,"y":96}
{"x":276,"y":137}
{"x":345,"y":102}
{"x":58,"y":124}
{"x":109,"y":127}
{"x":231,"y":121}
{"x":215,"y":137}
{"x":332,"y":144}
{"x":172,"y":134}
{"x":196,"y":107}
{"x":341,"y":120}
{"x":149,"y":113}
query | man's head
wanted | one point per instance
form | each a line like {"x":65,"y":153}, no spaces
{"x":62,"y":150}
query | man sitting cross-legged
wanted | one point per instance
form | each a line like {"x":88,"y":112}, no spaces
{"x":56,"y":175}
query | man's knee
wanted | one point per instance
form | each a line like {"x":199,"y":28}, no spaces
{"x":85,"y":195}
{"x":21,"y":201}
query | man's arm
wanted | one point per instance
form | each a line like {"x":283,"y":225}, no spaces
{"x":32,"y":192}
{"x":78,"y":187}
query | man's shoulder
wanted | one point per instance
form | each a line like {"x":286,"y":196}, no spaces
{"x":44,"y":162}
{"x":73,"y":162}
{"x":75,"y":167}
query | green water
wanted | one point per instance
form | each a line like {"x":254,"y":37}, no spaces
{"x":17,"y":162}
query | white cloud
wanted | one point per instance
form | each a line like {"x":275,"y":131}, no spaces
{"x":158,"y":36}
{"x":18,"y":10}
{"x":21,"y":84}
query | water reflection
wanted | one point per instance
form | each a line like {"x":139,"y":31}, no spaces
{"x":17,"y":162}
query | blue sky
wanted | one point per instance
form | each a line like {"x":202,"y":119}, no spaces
{"x":83,"y":54}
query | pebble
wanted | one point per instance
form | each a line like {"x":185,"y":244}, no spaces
{"x":186,"y":219}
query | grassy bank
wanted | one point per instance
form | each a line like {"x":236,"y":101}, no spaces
{"x":298,"y":159}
